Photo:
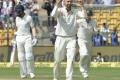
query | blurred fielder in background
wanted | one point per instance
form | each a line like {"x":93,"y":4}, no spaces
{"x":25,"y":40}
{"x":66,"y":38}
{"x":87,"y":26}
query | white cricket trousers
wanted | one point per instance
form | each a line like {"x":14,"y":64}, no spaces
{"x":85,"y":48}
{"x":25,"y":55}
{"x":64,"y":46}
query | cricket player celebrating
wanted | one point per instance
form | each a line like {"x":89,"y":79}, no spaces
{"x":66,"y":37}
{"x":25,"y":41}
{"x":87,"y":26}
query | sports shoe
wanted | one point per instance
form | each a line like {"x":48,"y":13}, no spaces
{"x":32,"y":75}
{"x":55,"y":79}
{"x":23,"y":76}
{"x":68,"y":79}
{"x":85,"y":75}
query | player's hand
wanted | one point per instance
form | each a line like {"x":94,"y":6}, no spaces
{"x":14,"y":40}
{"x":34,"y":41}
{"x":59,"y":2}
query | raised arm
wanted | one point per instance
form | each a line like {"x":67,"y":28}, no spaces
{"x":81,"y":9}
{"x":55,"y":11}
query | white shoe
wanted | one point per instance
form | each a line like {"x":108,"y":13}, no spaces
{"x":85,"y":75}
{"x":68,"y":79}
{"x":32,"y":75}
{"x":23,"y":76}
{"x":55,"y":79}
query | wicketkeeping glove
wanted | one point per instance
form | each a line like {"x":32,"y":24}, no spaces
{"x":34,"y":41}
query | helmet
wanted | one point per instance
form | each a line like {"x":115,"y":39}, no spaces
{"x":19,"y":8}
{"x":89,"y":13}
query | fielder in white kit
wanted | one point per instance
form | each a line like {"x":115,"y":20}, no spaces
{"x":66,"y":38}
{"x":87,"y":27}
{"x":25,"y":40}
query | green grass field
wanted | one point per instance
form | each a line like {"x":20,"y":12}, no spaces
{"x":46,"y":74}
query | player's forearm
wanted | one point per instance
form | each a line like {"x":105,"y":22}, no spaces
{"x":85,"y":13}
{"x":34,"y":32}
{"x":95,"y":27}
{"x":55,"y":12}
{"x":95,"y":31}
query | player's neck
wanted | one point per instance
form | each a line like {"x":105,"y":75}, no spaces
{"x":22,"y":15}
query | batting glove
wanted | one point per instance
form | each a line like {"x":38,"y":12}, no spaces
{"x":34,"y":41}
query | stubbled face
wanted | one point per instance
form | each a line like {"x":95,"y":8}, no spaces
{"x":80,"y":2}
{"x":68,"y":4}
{"x":19,"y":13}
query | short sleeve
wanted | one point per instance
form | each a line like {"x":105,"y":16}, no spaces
{"x":31,"y":23}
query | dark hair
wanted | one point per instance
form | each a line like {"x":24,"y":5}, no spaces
{"x":19,"y":8}
{"x":89,"y":13}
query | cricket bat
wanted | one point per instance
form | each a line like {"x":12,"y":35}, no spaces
{"x":11,"y":63}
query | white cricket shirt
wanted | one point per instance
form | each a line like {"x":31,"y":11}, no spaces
{"x":23,"y":25}
{"x":86,"y":32}
{"x":81,"y":15}
{"x":66,"y":22}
